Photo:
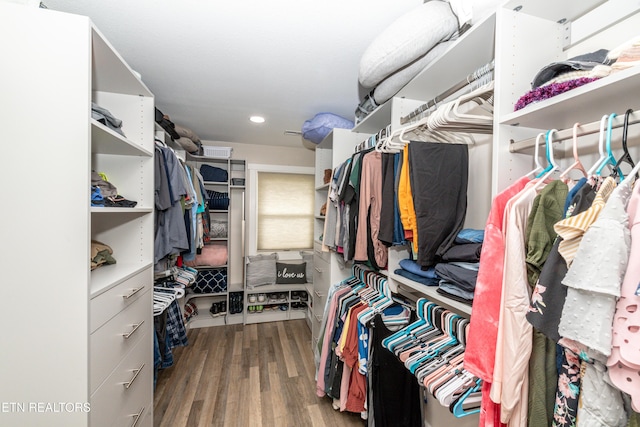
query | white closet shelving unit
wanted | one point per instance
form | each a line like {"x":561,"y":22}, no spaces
{"x":234,"y":186}
{"x":75,"y":338}
{"x":537,"y":34}
{"x":334,"y":149}
{"x":521,"y":37}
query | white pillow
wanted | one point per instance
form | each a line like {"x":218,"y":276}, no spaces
{"x":261,"y":270}
{"x":396,"y":81}
{"x":405,"y":40}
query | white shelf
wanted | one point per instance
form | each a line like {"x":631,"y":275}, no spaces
{"x":136,"y":210}
{"x":108,"y":276}
{"x":577,"y":105}
{"x":265,"y":289}
{"x":554,"y":10}
{"x":323,"y":187}
{"x":205,"y":295}
{"x":473,"y":49}
{"x":375,"y":120}
{"x":431,"y":294}
{"x":266,"y":316}
{"x":110,"y":72}
{"x":108,"y":141}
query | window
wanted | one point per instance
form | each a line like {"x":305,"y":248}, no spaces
{"x":284,"y":211}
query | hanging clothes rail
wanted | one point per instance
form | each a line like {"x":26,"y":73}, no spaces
{"x":476,"y":75}
{"x":584,"y":129}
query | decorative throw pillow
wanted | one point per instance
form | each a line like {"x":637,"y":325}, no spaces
{"x":261,"y":269}
{"x":289,"y":273}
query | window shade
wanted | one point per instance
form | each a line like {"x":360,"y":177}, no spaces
{"x":285,"y":211}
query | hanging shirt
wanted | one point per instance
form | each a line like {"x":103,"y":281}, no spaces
{"x":573,"y":228}
{"x":510,"y":386}
{"x":480,"y":352}
{"x":595,"y":276}
{"x":405,"y":202}
{"x":625,"y":353}
{"x":483,"y":328}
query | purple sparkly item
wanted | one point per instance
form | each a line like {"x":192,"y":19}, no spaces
{"x":551,"y":90}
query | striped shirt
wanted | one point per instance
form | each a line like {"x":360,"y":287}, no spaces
{"x":573,"y":228}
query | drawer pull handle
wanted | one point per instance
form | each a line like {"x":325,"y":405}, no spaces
{"x":319,"y":270}
{"x":133,"y":292}
{"x":318,"y":318}
{"x":137,"y":417}
{"x":135,"y":375}
{"x":318,"y":294}
{"x":135,"y":328}
{"x":319,"y":253}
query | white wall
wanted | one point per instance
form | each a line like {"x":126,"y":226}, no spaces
{"x":269,"y":155}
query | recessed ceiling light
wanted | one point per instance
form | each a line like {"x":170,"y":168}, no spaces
{"x":257,"y":119}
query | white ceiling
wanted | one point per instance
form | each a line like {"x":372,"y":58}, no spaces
{"x":212,"y":64}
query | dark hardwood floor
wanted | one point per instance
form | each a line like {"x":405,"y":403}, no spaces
{"x":253,"y":375}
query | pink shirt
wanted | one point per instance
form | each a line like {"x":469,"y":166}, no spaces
{"x":326,"y":340}
{"x":480,"y":353}
{"x":370,"y":199}
{"x":624,"y":362}
{"x":510,"y":386}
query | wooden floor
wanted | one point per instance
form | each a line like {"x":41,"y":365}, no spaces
{"x":253,"y":375}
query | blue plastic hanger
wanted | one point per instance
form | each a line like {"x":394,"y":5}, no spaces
{"x":549,"y":154}
{"x":458,"y":409}
{"x":609,"y":160}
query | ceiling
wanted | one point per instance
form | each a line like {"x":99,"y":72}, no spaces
{"x":213,"y":64}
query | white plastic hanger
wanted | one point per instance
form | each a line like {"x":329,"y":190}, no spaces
{"x":536,"y":157}
{"x":603,"y":156}
{"x":577,"y":164}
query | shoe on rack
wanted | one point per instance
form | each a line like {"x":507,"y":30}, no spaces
{"x":252,"y":298}
{"x":223,"y":308}
{"x":215,"y":309}
{"x":262,"y":297}
{"x":304,"y":296}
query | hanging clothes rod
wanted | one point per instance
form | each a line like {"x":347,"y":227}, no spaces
{"x":583,"y":130}
{"x":476,"y":75}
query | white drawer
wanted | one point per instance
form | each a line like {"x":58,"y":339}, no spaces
{"x":113,"y":399}
{"x":319,"y":253}
{"x":111,"y":342}
{"x":134,"y":416}
{"x":106,"y":305}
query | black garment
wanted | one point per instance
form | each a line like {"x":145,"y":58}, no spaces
{"x":454,"y":297}
{"x":464,"y":278}
{"x":387,"y":204}
{"x":395,"y":394}
{"x":552,"y":274}
{"x":439,"y":175}
{"x":467,"y":252}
